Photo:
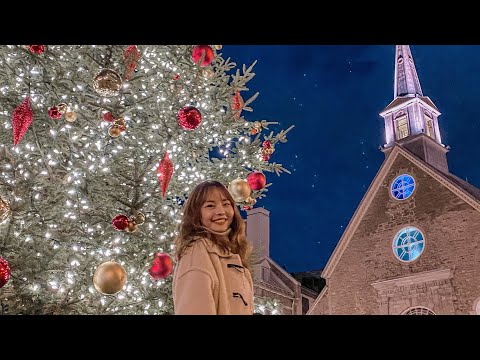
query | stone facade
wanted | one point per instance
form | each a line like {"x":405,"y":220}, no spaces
{"x":369,"y":279}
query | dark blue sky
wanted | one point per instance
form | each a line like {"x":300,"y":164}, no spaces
{"x":333,"y":94}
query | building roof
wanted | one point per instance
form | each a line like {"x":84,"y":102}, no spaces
{"x":472,"y":190}
{"x":274,"y":282}
{"x":403,"y":99}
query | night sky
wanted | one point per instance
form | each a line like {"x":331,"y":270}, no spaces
{"x":333,"y":94}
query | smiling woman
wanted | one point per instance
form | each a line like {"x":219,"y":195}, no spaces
{"x":212,"y":275}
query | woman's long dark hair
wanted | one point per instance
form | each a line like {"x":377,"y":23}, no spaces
{"x":191,"y":227}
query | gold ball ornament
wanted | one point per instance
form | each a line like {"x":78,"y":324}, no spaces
{"x":132,"y":227}
{"x":107,"y":83}
{"x":109,"y":278}
{"x":208,"y":73}
{"x":120,"y":123}
{"x":139,"y":218}
{"x":257,"y":125}
{"x":114,"y":131}
{"x":4,"y":209}
{"x":70,"y":116}
{"x":218,"y":47}
{"x":62,"y":108}
{"x":240,"y":190}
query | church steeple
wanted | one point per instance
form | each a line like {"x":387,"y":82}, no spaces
{"x":411,"y":119}
{"x":406,"y":78}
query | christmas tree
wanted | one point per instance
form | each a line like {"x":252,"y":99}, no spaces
{"x":100,"y":147}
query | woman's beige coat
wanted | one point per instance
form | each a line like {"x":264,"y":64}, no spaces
{"x":210,"y":281}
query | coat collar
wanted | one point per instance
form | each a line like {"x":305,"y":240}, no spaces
{"x":214,"y":248}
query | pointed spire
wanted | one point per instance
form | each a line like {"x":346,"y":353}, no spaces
{"x":411,"y":119}
{"x":406,"y":78}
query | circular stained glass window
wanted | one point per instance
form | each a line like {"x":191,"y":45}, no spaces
{"x":402,"y":187}
{"x":408,"y":244}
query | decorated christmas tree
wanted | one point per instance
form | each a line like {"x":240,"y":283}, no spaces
{"x":100,"y":146}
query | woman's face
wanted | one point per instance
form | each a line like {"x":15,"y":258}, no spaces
{"x":217,"y":211}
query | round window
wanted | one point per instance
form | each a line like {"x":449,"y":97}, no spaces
{"x":408,"y":244}
{"x":402,"y":187}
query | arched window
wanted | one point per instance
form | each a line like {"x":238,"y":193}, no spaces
{"x":418,"y":310}
{"x":408,"y":244}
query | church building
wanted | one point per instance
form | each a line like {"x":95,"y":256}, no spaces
{"x":413,"y":244}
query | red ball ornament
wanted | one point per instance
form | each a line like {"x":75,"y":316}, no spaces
{"x":197,"y":52}
{"x":120,"y":222}
{"x":4,"y":272}
{"x":189,"y":117}
{"x":108,"y":117}
{"x":162,"y":266}
{"x":256,"y":180}
{"x":37,"y":49}
{"x":54,"y":113}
